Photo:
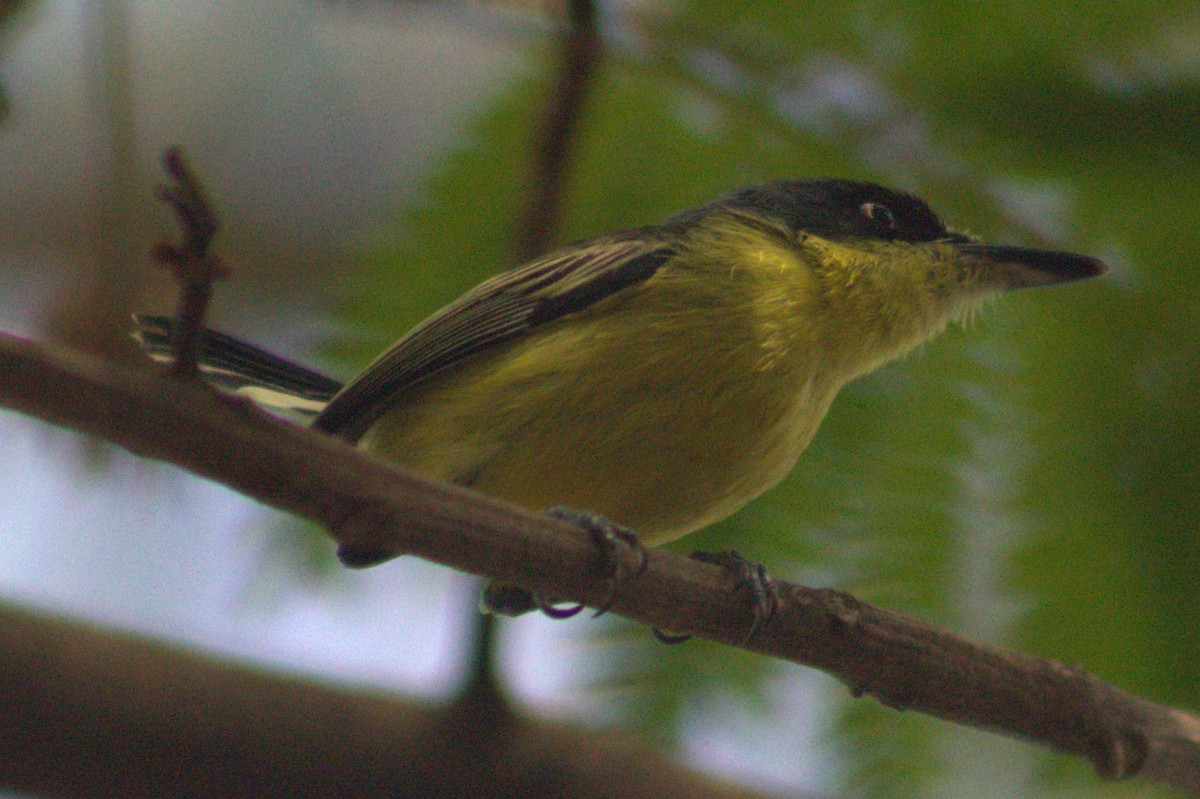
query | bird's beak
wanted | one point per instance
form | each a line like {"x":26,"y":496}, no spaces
{"x":1009,"y":268}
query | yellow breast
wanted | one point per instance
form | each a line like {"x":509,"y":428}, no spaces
{"x":664,"y":408}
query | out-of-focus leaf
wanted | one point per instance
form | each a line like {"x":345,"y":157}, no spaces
{"x":889,"y":755}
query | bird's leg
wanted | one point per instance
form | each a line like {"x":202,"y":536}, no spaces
{"x":753,"y":577}
{"x":609,"y":538}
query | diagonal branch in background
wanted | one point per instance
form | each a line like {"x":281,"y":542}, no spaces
{"x":110,"y":714}
{"x":581,"y":52}
{"x":902,"y":662}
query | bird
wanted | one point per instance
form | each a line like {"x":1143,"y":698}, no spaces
{"x":659,"y":377}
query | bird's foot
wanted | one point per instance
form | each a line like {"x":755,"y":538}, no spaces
{"x":764,"y":598}
{"x":610,"y":538}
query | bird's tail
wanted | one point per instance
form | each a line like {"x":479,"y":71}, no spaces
{"x":274,"y":383}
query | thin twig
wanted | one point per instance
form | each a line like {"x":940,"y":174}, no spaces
{"x":193,"y":266}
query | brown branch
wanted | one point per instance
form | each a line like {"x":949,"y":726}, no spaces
{"x":581,"y":52}
{"x":902,"y":662}
{"x":193,"y":266}
{"x":86,"y":712}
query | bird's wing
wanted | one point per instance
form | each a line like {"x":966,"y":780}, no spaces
{"x":497,"y":311}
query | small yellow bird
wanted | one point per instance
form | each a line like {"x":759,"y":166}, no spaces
{"x":663,"y":376}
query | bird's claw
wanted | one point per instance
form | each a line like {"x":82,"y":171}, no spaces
{"x":609,"y":538}
{"x":764,"y":598}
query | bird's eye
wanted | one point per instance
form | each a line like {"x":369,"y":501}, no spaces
{"x":879,"y":214}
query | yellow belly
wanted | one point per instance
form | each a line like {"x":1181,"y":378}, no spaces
{"x":658,"y":410}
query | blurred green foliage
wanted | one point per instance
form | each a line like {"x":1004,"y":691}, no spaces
{"x":1032,"y":479}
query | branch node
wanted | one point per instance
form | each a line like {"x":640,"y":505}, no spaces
{"x":1121,"y":749}
{"x":842,"y":610}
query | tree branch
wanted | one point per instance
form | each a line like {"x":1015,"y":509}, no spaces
{"x":902,"y":662}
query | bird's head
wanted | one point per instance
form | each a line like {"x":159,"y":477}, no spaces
{"x":864,"y":215}
{"x":886,"y":272}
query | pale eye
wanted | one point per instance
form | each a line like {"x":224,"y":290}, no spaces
{"x":879,"y":214}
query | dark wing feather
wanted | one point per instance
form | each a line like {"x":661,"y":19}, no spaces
{"x":497,"y":311}
{"x":242,"y":368}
